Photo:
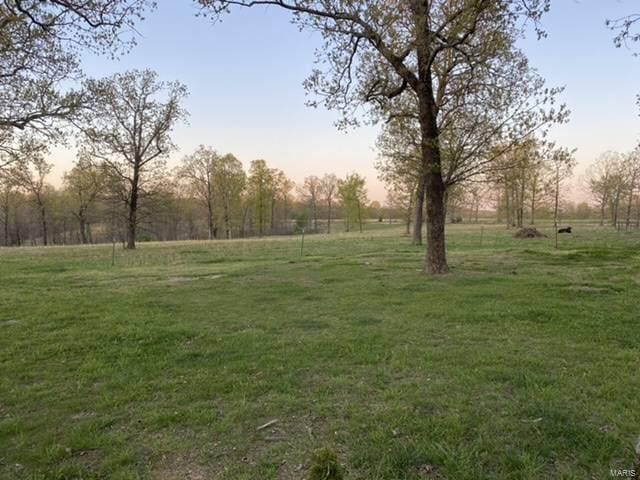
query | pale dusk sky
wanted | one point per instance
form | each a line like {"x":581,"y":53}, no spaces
{"x":246,"y":97}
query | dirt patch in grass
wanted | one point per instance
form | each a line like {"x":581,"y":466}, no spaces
{"x":178,"y":467}
{"x":529,"y":232}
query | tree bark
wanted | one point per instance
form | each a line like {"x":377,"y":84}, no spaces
{"x":132,"y":218}
{"x":431,"y":168}
{"x":419,"y":211}
{"x":82,"y":225}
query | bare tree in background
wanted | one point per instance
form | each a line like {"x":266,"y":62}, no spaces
{"x":561,"y":163}
{"x":84,"y":182}
{"x":129,"y":126}
{"x":197,"y":170}
{"x":353,"y":196}
{"x":28,"y":172}
{"x":329,"y":190}
{"x":310,"y":192}
{"x":230,"y":180}
{"x":632,"y":174}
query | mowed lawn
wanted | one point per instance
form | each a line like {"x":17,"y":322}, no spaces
{"x":523,"y":363}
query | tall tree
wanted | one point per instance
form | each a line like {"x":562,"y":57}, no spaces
{"x":230,"y":179}
{"x":381,"y":52}
{"x":280,"y":200}
{"x":260,"y":194}
{"x":129,"y":127}
{"x":197,"y":170}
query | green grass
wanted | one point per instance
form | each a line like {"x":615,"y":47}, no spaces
{"x":520,"y":364}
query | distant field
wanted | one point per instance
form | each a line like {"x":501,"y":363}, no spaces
{"x":523,"y":363}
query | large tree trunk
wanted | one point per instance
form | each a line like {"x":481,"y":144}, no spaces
{"x":419,"y":211}
{"x":132,"y":218}
{"x":436,"y":257}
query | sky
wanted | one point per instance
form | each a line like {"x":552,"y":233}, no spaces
{"x":245,"y":76}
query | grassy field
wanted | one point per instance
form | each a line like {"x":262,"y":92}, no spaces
{"x":520,"y":364}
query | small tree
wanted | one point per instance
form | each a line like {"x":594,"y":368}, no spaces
{"x":310,"y":193}
{"x":328,"y":189}
{"x":197,"y":170}
{"x":353,"y":196}
{"x":28,"y":172}
{"x":84,"y":183}
{"x":260,"y":186}
{"x":561,"y":164}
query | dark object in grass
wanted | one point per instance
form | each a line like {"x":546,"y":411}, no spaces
{"x":325,"y":466}
{"x":529,"y":232}
{"x":564,"y":230}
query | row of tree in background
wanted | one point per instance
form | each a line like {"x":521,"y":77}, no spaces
{"x":211,"y":196}
{"x":207,"y":196}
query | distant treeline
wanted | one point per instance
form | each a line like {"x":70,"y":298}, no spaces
{"x":211,"y":196}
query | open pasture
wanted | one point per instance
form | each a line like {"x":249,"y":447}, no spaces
{"x":520,"y":364}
